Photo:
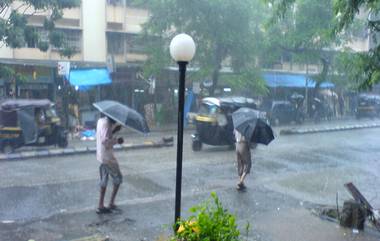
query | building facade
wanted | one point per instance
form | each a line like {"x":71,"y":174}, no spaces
{"x":105,"y":33}
{"x":102,"y":32}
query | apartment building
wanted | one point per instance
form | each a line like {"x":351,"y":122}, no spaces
{"x":102,"y":32}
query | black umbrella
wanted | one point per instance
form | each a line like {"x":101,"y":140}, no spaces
{"x":123,"y":115}
{"x":252,"y":125}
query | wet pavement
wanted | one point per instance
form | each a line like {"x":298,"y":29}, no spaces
{"x":55,"y":198}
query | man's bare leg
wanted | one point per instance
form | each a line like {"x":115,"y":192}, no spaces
{"x":101,"y":198}
{"x":113,"y":195}
{"x":242,"y":178}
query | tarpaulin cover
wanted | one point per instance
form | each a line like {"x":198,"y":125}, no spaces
{"x":292,"y":80}
{"x":87,"y":78}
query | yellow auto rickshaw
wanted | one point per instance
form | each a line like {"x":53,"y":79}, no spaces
{"x":214,"y":121}
{"x":29,"y":122}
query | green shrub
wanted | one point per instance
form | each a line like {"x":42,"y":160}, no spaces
{"x":209,"y":222}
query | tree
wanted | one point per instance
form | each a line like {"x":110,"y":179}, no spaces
{"x":303,"y":33}
{"x":224,"y":31}
{"x":15,"y":32}
{"x":364,"y":67}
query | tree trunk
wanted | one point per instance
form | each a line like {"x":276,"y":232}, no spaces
{"x":215,"y":78}
{"x":307,"y":102}
{"x":323,"y":75}
{"x":216,"y":72}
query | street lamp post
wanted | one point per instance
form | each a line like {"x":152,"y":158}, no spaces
{"x":182,"y":50}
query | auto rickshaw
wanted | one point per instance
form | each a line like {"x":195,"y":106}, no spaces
{"x":214,"y":121}
{"x":29,"y":123}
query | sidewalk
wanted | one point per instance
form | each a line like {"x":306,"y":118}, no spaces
{"x":155,"y":138}
{"x":133,"y":140}
{"x":329,"y":126}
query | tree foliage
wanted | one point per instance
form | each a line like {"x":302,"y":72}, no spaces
{"x":302,"y":32}
{"x":363,"y":67}
{"x":224,"y":32}
{"x":15,"y":31}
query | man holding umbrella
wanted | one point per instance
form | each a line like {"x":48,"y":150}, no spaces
{"x":113,"y":112}
{"x":250,"y":128}
{"x":109,"y":166}
{"x":243,"y":156}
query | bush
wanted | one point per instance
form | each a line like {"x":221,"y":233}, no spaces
{"x":209,"y":222}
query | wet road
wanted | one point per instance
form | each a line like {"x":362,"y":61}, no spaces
{"x":291,"y":173}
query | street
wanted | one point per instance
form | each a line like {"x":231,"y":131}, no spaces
{"x":55,"y":198}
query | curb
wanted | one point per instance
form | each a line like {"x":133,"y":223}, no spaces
{"x":93,"y":238}
{"x":294,"y":131}
{"x":79,"y":150}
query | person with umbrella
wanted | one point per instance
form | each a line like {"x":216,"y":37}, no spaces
{"x":250,"y":128}
{"x":109,"y":165}
{"x":243,"y":157}
{"x":114,"y":114}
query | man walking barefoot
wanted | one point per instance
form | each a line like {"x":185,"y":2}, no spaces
{"x":109,"y":166}
{"x":243,"y":156}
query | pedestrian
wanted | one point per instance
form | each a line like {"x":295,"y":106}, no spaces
{"x":109,"y":165}
{"x":243,"y":156}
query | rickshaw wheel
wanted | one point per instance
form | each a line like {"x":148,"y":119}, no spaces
{"x":197,"y":145}
{"x":8,"y":148}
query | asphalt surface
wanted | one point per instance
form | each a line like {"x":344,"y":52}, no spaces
{"x":55,"y":198}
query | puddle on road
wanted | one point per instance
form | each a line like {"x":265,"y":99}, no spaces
{"x":143,"y":184}
{"x":321,"y":186}
{"x":300,"y":224}
{"x":273,"y":166}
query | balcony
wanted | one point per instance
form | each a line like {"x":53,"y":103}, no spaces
{"x":359,"y":44}
{"x":135,"y":18}
{"x":133,"y":57}
{"x":76,"y":57}
{"x":115,"y":17}
{"x":71,"y":18}
{"x":30,"y":53}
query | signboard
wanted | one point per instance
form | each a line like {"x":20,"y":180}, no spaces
{"x":110,"y":63}
{"x":64,"y":68}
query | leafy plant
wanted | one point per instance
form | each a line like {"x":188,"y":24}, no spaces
{"x":209,"y":221}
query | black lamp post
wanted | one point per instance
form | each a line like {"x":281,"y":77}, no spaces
{"x":182,"y":50}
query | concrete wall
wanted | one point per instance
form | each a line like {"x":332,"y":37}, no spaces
{"x":94,"y":28}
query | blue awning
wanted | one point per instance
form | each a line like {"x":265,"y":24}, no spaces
{"x":87,"y":78}
{"x":292,"y":80}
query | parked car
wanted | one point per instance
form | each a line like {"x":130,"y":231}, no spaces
{"x":368,"y":106}
{"x":285,"y":112}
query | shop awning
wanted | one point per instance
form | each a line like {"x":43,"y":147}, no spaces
{"x":292,"y":81}
{"x":87,"y":78}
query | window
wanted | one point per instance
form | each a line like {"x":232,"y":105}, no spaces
{"x":116,"y":2}
{"x":134,"y":44}
{"x":115,"y":43}
{"x":43,"y":36}
{"x":74,"y":39}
